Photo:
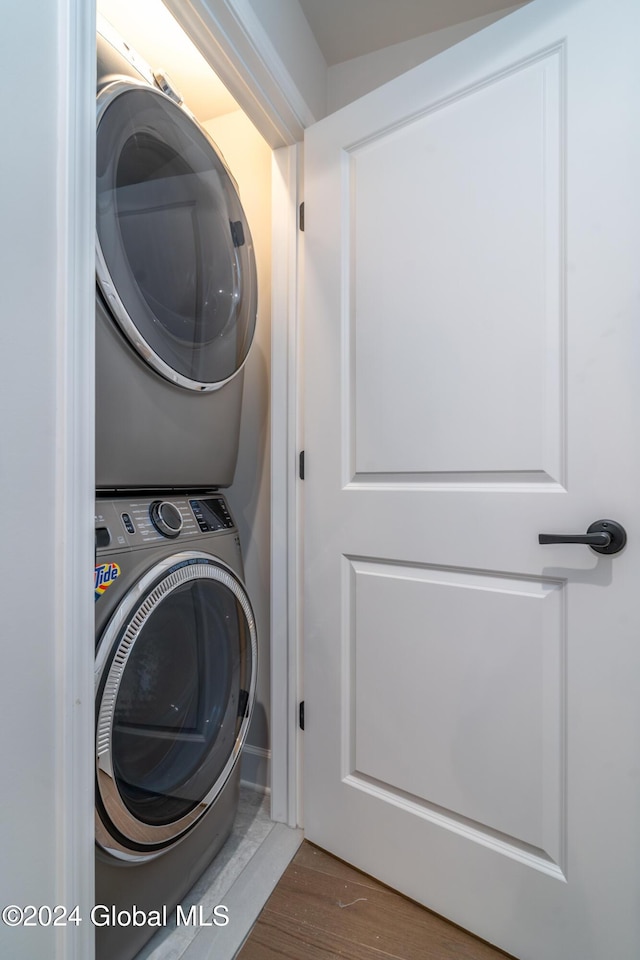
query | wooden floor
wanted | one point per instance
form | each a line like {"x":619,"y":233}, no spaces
{"x":323,"y":909}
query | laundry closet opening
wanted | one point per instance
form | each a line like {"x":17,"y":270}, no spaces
{"x":153,"y":34}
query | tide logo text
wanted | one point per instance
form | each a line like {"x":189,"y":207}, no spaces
{"x":105,"y":575}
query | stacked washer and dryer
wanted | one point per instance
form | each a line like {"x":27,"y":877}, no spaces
{"x":175,"y":634}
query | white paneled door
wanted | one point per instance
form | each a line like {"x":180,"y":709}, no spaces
{"x":472,"y":339}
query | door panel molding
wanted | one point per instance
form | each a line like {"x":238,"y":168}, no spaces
{"x":515,"y":178}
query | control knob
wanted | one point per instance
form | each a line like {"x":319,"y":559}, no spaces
{"x":166,"y":518}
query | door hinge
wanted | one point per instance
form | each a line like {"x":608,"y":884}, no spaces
{"x":301,"y":465}
{"x":301,"y":216}
{"x":301,"y":714}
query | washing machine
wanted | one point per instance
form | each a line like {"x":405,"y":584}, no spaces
{"x":175,"y":675}
{"x":176,"y":294}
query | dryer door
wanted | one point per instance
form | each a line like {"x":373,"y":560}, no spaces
{"x":175,"y":682}
{"x":175,"y":261}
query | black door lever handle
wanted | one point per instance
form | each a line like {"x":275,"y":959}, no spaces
{"x":603,"y":536}
{"x":591,"y":539}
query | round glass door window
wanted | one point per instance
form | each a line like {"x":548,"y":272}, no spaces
{"x":175,"y":260}
{"x":176,"y":669}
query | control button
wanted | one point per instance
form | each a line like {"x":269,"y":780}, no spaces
{"x":226,"y":517}
{"x":197,"y":512}
{"x":166,"y":518}
{"x":103,"y":537}
{"x":128,"y":523}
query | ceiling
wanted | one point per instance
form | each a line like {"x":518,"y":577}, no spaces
{"x":350,"y":28}
{"x":343,"y":29}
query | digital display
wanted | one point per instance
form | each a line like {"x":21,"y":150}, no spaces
{"x":211,"y":514}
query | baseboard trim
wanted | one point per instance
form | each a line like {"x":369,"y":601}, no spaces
{"x":255,"y":768}
{"x":247,"y":896}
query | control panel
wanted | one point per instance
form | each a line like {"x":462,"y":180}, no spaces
{"x":212,"y":514}
{"x":132,"y":523}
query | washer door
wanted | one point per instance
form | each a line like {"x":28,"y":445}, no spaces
{"x":175,"y":261}
{"x":175,"y":682}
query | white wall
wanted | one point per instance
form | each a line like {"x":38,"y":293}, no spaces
{"x":293,"y":41}
{"x":46,"y":469}
{"x":248,"y":157}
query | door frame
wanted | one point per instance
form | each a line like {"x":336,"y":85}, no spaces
{"x":231,"y":38}
{"x":286,"y":496}
{"x":54,"y":497}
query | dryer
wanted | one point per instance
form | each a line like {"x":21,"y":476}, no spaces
{"x":175,"y":675}
{"x":176,"y":293}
